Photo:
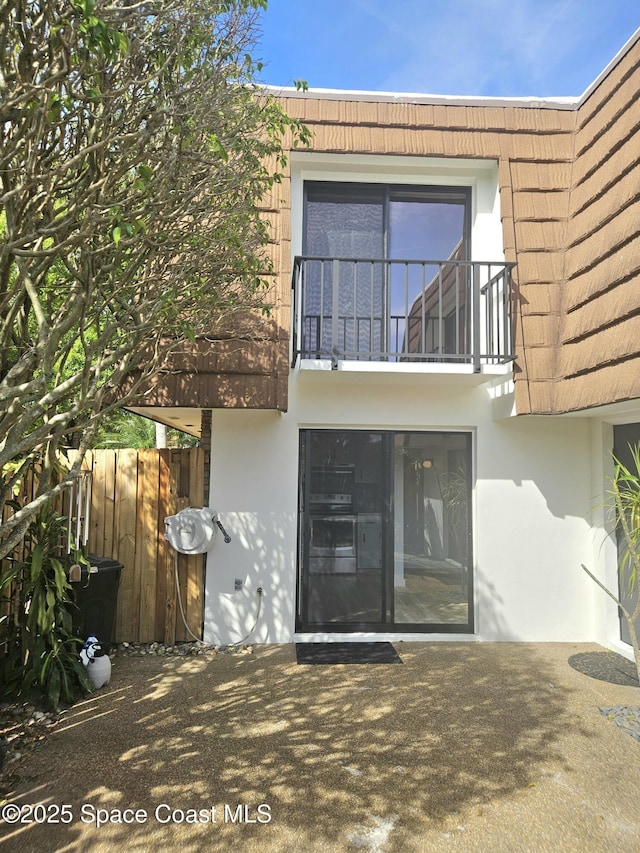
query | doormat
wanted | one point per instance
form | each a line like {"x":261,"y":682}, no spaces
{"x":329,"y":653}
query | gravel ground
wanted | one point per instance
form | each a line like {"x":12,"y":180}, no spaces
{"x":463,"y":747}
{"x":25,"y":725}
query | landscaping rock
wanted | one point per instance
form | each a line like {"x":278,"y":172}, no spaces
{"x":180,"y":649}
{"x":625,"y":717}
{"x":22,"y":728}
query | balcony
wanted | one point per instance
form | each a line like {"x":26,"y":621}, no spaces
{"x":402,"y":311}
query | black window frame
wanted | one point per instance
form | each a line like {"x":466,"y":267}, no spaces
{"x":362,"y":192}
{"x":302,"y":556}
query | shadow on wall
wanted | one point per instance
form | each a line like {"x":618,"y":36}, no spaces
{"x":552,"y":455}
{"x":327,"y":749}
{"x":260,"y":554}
{"x":489,"y":604}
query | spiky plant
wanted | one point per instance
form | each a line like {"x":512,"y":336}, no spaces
{"x":623,"y":501}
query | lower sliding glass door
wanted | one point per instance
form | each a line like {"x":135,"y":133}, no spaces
{"x":385,"y":531}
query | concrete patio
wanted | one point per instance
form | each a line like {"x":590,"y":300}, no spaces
{"x":489,"y":747}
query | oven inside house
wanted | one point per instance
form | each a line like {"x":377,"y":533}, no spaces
{"x":332,"y":545}
{"x":341,"y":540}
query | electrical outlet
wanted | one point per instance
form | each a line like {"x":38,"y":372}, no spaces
{"x":238,"y":584}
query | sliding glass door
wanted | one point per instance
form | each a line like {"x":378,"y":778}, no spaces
{"x":345,"y":503}
{"x":373,"y":284}
{"x":385,"y":531}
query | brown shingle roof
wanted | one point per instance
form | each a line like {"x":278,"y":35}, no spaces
{"x":569,"y":181}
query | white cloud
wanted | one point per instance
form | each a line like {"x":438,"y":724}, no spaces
{"x":456,"y":47}
{"x":476,"y":46}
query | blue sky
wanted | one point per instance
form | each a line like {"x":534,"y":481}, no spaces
{"x":444,"y":47}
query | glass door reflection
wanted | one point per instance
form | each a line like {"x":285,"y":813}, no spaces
{"x":431,"y":528}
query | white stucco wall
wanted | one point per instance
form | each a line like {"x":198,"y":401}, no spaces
{"x":532,"y":504}
{"x":533,"y":487}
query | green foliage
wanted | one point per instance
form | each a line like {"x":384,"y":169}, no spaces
{"x":625,"y":506}
{"x":100,"y":39}
{"x":623,"y":501}
{"x":137,"y":155}
{"x":42,"y":653}
{"x":126,"y":429}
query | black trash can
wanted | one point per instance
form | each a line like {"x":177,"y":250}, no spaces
{"x":97,"y":598}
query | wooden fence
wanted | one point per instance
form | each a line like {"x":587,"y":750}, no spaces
{"x":132,"y":492}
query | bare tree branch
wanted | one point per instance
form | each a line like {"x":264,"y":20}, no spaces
{"x":134,"y":153}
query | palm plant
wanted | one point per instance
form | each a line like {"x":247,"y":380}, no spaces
{"x":41,"y":652}
{"x":125,"y":429}
{"x":623,"y":500}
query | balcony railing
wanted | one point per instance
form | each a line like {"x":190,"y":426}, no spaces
{"x":402,"y":311}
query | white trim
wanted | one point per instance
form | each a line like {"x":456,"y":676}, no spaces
{"x":389,"y":168}
{"x":373,"y":637}
{"x":406,"y":372}
{"x":625,"y":412}
{"x":609,"y":68}
{"x":363,"y":96}
{"x":405,"y":367}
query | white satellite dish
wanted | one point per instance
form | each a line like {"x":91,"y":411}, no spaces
{"x":192,"y":530}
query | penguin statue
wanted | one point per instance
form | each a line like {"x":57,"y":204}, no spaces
{"x":96,"y":661}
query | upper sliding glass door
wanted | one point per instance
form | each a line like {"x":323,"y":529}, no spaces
{"x":360,"y":295}
{"x":345,"y":222}
{"x":385,"y":531}
{"x":428,"y":303}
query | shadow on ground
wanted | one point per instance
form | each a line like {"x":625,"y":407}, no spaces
{"x":606,"y":666}
{"x":342,"y":756}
